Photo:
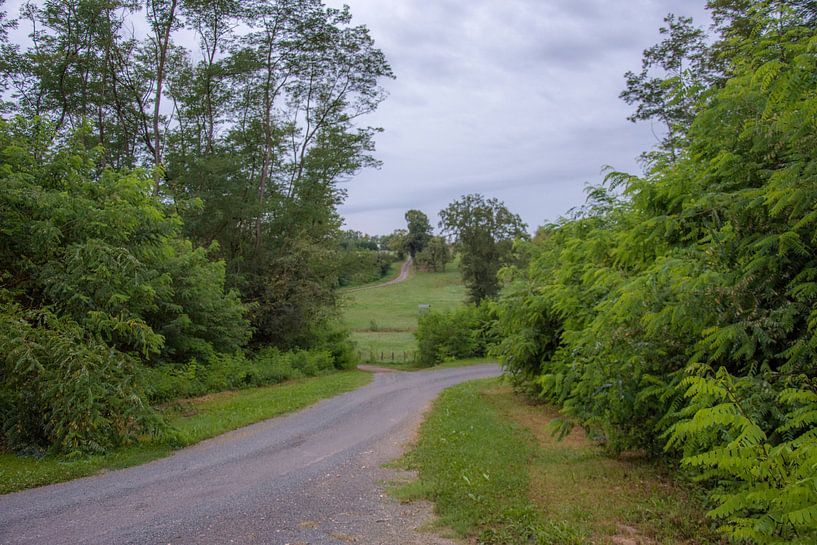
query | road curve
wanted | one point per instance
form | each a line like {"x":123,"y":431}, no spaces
{"x":308,"y":478}
{"x":405,"y":269}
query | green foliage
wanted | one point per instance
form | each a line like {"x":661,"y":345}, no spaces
{"x":230,"y":234}
{"x":454,"y":335}
{"x":484,"y":230}
{"x":356,"y":267}
{"x":263,"y":126}
{"x":234,"y":371}
{"x":418,"y":232}
{"x":435,"y":255}
{"x":757,"y":444}
{"x":396,"y":243}
{"x":64,"y":390}
{"x":97,"y":247}
{"x":674,"y":313}
{"x":100,"y":276}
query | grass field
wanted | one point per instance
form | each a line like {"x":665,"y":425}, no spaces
{"x":495,"y":473}
{"x":383,"y":320}
{"x":195,"y":419}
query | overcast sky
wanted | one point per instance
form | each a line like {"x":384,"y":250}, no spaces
{"x":514,"y":99}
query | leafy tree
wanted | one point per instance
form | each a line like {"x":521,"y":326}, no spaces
{"x":435,"y":255}
{"x":96,"y":246}
{"x":419,"y":232}
{"x":396,"y":242}
{"x":484,"y":230}
{"x":684,"y":69}
{"x":247,"y":140}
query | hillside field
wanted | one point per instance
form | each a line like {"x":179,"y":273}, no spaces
{"x":383,"y":319}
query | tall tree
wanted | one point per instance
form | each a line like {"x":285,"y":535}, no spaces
{"x":484,"y":231}
{"x":163,"y":19}
{"x":419,"y":232}
{"x":674,"y":74}
{"x":435,"y":255}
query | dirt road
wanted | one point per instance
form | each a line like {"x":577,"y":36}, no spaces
{"x":405,"y":269}
{"x":313,"y":478}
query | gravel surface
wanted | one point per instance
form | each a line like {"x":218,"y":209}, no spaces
{"x":311,"y":478}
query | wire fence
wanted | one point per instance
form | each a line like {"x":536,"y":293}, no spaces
{"x":373,"y":356}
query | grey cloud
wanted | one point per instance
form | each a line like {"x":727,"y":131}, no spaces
{"x":516,"y":99}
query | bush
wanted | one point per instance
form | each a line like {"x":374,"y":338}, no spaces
{"x":357,"y":267}
{"x":234,"y":371}
{"x":97,"y":246}
{"x":458,"y":334}
{"x":64,"y":391}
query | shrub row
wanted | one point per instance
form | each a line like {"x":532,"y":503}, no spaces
{"x":457,"y":334}
{"x":232,"y":372}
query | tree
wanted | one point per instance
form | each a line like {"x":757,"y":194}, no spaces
{"x":676,"y":312}
{"x":435,"y":255}
{"x":684,"y":67}
{"x":484,"y":231}
{"x":163,"y":20}
{"x":419,"y":232}
{"x":396,"y":242}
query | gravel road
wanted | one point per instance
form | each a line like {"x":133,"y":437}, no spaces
{"x":405,"y":269}
{"x":313,"y":477}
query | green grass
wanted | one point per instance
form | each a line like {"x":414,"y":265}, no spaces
{"x":487,"y":460}
{"x":195,"y":419}
{"x":383,"y":320}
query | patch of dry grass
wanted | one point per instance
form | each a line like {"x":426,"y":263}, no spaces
{"x":622,"y":501}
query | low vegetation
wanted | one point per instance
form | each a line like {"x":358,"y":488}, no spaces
{"x":466,"y":332}
{"x":363,"y":259}
{"x":488,"y":461}
{"x":189,"y":420}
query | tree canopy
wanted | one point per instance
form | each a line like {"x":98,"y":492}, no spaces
{"x":169,"y":206}
{"x":484,"y":231}
{"x":419,"y":232}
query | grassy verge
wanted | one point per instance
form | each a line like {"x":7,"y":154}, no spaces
{"x":383,"y":320}
{"x":195,"y":419}
{"x":489,"y":463}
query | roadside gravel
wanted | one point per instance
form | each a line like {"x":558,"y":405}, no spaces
{"x":310,"y":478}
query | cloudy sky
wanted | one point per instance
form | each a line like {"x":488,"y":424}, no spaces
{"x":514,"y":99}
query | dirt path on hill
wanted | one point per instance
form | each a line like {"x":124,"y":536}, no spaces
{"x":405,"y":269}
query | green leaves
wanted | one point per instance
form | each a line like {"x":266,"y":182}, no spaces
{"x":97,"y":277}
{"x":484,"y":230}
{"x":680,"y":318}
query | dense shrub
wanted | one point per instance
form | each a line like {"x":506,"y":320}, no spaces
{"x":97,"y":277}
{"x":63,"y":390}
{"x":231,"y":372}
{"x":677,"y":313}
{"x":357,"y":267}
{"x":95,"y":245}
{"x":458,"y":334}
